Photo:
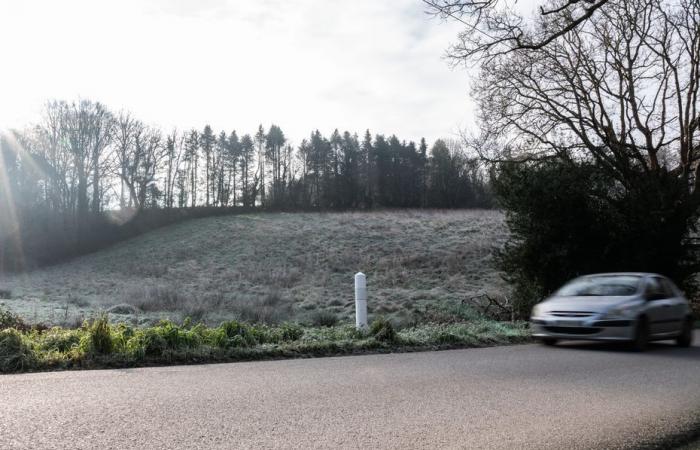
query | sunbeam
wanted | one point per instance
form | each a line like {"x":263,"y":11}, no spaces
{"x":10,"y":232}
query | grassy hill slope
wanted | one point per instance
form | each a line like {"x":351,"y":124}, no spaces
{"x":273,"y":267}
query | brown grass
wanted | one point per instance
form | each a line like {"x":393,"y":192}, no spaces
{"x":274,"y":267}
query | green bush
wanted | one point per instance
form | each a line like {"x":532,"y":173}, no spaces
{"x":150,"y":342}
{"x":15,"y":353}
{"x":216,"y":337}
{"x":567,"y":219}
{"x":261,"y":334}
{"x":382,"y":330}
{"x":57,"y":339}
{"x":169,"y":336}
{"x":99,"y":336}
{"x":238,"y":342}
{"x":243,"y":335}
{"x":291,"y":332}
{"x":10,"y":320}
{"x":234,"y":328}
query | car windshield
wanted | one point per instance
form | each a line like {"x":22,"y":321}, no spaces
{"x":601,"y":286}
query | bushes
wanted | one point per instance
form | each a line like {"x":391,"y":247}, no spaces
{"x":15,"y":354}
{"x":57,"y":339}
{"x":99,"y":336}
{"x":101,"y":344}
{"x":291,"y":332}
{"x":10,"y":320}
{"x":382,"y":330}
{"x":567,"y":219}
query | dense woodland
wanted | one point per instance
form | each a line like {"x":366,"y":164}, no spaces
{"x":71,"y":182}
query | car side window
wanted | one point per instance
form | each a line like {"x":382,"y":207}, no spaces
{"x":667,"y":288}
{"x":654,"y":289}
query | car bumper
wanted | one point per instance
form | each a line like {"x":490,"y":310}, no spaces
{"x":589,"y":330}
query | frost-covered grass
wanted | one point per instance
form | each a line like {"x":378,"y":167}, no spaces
{"x":272,"y":268}
{"x":99,"y":344}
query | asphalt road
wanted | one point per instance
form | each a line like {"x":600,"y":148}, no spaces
{"x":574,"y":396}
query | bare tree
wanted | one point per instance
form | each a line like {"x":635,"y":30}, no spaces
{"x":49,"y":142}
{"x":102,"y":130}
{"x":125,"y":130}
{"x":143,"y":159}
{"x":88,"y":130}
{"x":621,"y":88}
{"x":492,"y":27}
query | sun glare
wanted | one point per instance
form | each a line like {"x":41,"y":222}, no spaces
{"x":10,"y":148}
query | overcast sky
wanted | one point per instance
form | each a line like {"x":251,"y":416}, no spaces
{"x":302,"y":64}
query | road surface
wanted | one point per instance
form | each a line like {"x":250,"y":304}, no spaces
{"x":574,"y":396}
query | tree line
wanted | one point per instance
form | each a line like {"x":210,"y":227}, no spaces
{"x":84,"y":163}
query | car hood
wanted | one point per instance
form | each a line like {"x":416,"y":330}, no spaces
{"x":585,"y":303}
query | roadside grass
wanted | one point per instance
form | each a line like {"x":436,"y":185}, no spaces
{"x":100,"y":344}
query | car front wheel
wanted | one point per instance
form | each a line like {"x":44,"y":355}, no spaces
{"x":685,"y":339}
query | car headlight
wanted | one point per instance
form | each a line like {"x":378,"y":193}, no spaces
{"x":624,"y":310}
{"x":537,"y":310}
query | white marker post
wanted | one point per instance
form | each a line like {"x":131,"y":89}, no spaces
{"x":360,"y":300}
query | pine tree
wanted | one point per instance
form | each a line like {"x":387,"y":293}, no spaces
{"x":423,"y":171}
{"x":367,"y":167}
{"x":274,"y":143}
{"x":192,"y":159}
{"x":219,"y":188}
{"x":350,"y":170}
{"x":260,"y":139}
{"x":206,"y":141}
{"x":247,"y":151}
{"x":233,"y":155}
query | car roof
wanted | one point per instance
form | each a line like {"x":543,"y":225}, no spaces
{"x":617,"y":274}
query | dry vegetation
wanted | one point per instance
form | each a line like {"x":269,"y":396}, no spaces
{"x":272,"y":268}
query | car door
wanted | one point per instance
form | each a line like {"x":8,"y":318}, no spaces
{"x":677,"y":306}
{"x":658,"y":306}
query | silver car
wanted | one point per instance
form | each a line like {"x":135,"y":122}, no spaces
{"x":630,"y":307}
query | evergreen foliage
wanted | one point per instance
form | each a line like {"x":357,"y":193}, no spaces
{"x":568,"y":219}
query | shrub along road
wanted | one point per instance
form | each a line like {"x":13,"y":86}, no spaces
{"x":527,"y":396}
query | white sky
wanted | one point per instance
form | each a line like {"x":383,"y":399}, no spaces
{"x":302,"y":64}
